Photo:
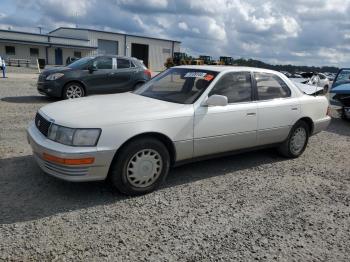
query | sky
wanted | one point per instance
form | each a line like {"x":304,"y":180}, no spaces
{"x":300,"y":32}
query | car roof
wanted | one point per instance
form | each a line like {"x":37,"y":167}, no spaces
{"x":117,"y":56}
{"x":223,"y":68}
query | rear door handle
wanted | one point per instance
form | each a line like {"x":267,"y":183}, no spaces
{"x":251,"y":114}
{"x":294,"y":108}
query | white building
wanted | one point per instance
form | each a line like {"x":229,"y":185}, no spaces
{"x":61,"y":43}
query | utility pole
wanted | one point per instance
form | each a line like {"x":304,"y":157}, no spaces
{"x":39,"y":29}
{"x":76,"y":19}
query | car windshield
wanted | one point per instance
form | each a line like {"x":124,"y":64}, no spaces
{"x":342,"y":78}
{"x":81,"y":63}
{"x":178,"y":85}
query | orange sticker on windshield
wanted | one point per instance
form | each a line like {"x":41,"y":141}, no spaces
{"x":208,"y":77}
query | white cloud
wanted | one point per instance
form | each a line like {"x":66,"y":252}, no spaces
{"x":195,"y":30}
{"x":183,"y":26}
{"x":68,"y":8}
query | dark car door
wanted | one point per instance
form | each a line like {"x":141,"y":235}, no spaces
{"x":100,"y":78}
{"x":123,"y":75}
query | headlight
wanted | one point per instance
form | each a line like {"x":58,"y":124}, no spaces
{"x":74,"y":137}
{"x":54,"y":76}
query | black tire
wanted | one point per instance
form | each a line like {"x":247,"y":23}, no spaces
{"x":325,"y":89}
{"x":286,"y":148}
{"x":343,"y":115}
{"x":67,"y":91}
{"x":118,"y":174}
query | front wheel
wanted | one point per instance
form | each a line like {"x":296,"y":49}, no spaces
{"x":140,"y":166}
{"x":73,"y":90}
{"x":296,"y":142}
{"x":343,"y":114}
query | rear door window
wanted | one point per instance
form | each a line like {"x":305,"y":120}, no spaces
{"x":103,"y":63}
{"x":271,"y":86}
{"x":322,"y":77}
{"x":123,"y":63}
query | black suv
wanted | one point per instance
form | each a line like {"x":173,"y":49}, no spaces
{"x":93,"y":75}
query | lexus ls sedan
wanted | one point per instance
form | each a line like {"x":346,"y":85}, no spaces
{"x":184,"y":114}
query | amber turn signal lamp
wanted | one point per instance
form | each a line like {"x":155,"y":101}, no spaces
{"x":68,"y":161}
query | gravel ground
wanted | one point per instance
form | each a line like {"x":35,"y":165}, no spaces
{"x":254,"y":206}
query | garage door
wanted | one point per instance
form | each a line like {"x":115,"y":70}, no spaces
{"x":107,"y":47}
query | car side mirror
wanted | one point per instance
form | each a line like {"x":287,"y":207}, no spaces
{"x":92,"y":68}
{"x":217,"y":100}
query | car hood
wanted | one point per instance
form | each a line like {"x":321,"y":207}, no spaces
{"x":56,"y":70}
{"x":341,"y":89}
{"x":104,"y":110}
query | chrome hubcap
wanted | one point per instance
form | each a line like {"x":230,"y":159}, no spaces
{"x":74,"y":91}
{"x":144,"y":168}
{"x":298,"y":140}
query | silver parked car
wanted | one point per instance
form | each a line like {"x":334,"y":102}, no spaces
{"x":183,"y":114}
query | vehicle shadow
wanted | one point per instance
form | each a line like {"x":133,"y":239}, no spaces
{"x":339,"y":126}
{"x":29,"y":99}
{"x":26,"y":193}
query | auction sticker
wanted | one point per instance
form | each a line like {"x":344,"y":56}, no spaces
{"x":196,"y":74}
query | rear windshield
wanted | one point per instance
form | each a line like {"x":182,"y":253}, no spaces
{"x":178,"y":85}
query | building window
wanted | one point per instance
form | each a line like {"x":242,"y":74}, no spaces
{"x":166,"y":51}
{"x":10,"y":50}
{"x":34,"y":52}
{"x":77,"y":54}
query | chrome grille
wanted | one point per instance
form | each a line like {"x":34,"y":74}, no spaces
{"x":42,"y":124}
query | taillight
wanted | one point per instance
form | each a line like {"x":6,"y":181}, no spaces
{"x":329,"y":111}
{"x":147,"y":72}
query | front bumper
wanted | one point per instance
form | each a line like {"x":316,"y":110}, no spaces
{"x":77,"y":173}
{"x":50,"y":88}
{"x":321,"y":124}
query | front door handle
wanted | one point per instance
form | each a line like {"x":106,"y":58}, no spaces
{"x":294,"y":108}
{"x":251,"y":114}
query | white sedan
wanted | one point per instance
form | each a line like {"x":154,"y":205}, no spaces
{"x":184,"y":114}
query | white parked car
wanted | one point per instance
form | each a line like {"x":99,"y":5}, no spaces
{"x":183,"y":114}
{"x":318,"y":80}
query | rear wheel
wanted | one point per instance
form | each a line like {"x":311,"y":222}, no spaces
{"x":297,"y":140}
{"x":73,"y":90}
{"x":140,"y":166}
{"x":325,"y":89}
